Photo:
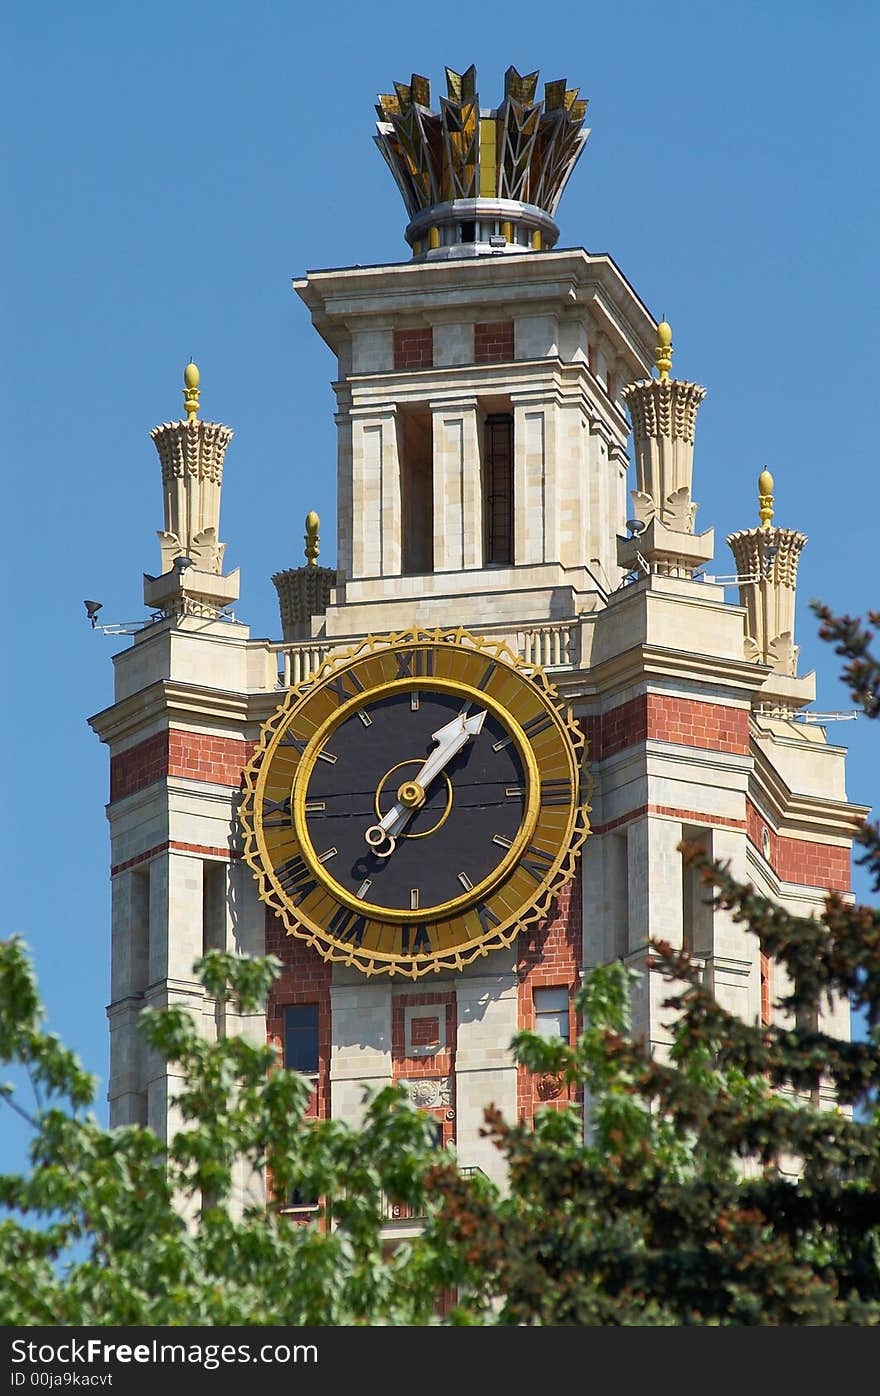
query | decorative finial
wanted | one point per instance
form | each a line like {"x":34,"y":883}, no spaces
{"x":663,"y":352}
{"x":518,"y":153}
{"x":313,"y":523}
{"x":765,"y":498}
{"x":191,"y":391}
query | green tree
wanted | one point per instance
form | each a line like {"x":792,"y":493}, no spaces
{"x":113,"y":1227}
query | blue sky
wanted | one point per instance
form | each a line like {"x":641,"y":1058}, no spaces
{"x":169,"y":169}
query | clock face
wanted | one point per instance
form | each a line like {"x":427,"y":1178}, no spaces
{"x":415,"y":803}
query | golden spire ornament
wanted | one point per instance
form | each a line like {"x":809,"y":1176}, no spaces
{"x":765,"y":498}
{"x":191,"y":391}
{"x":313,"y":523}
{"x":663,"y":352}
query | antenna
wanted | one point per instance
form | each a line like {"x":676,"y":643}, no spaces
{"x":827,"y":717}
{"x":739,"y":579}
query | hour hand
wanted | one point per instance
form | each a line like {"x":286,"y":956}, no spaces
{"x":450,"y":739}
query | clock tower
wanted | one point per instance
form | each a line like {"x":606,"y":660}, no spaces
{"x":462,"y":775}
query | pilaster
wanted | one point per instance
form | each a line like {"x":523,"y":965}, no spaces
{"x":458,"y":510}
{"x":375,"y":492}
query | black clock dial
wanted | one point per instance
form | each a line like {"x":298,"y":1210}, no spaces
{"x":472,"y":812}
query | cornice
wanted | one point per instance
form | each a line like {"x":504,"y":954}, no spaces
{"x":795,"y":815}
{"x":548,"y":378}
{"x":641,"y":663}
{"x":168,"y":703}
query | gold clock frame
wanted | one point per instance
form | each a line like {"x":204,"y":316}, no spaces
{"x":486,"y":917}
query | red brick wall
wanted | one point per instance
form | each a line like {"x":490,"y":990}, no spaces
{"x":549,"y":956}
{"x":305,"y":978}
{"x":813,"y":864}
{"x":218,"y":760}
{"x":685,"y":721}
{"x":139,"y":766}
{"x":493,"y":342}
{"x":414,"y":348}
{"x":810,"y":864}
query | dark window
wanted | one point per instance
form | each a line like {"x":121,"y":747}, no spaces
{"x":301,"y":1037}
{"x":302,"y":1200}
{"x":468,"y":231}
{"x":498,"y":489}
{"x":416,"y":447}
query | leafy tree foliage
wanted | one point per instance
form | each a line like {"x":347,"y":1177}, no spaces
{"x":711,"y":1188}
{"x":113,"y":1227}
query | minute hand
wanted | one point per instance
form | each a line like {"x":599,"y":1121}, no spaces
{"x":450,"y":739}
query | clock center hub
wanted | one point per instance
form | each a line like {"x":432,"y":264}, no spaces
{"x":411,"y":794}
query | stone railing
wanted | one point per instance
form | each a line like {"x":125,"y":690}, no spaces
{"x":550,"y":644}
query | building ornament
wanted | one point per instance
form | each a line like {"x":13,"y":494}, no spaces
{"x":428,"y":1093}
{"x":479,"y":177}
{"x":768,"y":558}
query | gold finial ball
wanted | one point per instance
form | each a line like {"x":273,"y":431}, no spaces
{"x":765,"y":498}
{"x":313,"y":523}
{"x":191,"y":391}
{"x":663,"y":352}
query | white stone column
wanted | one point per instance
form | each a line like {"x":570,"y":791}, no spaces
{"x":344,"y":487}
{"x":176,"y":889}
{"x":485,"y":1073}
{"x":605,"y":881}
{"x":654,"y":875}
{"x":734,"y":972}
{"x":458,"y":496}
{"x":529,"y":480}
{"x":360,"y":1053}
{"x":376,"y":520}
{"x":566,"y":478}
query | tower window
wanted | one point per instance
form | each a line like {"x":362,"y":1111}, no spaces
{"x":469,"y":231}
{"x":696,"y":897}
{"x":213,"y":906}
{"x":416,"y":451}
{"x":301,"y":1038}
{"x":551,"y":1013}
{"x":498,"y":489}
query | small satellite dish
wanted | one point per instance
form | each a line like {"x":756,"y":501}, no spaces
{"x":92,"y":609}
{"x":636,"y":527}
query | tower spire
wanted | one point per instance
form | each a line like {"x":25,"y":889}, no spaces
{"x":770,"y":556}
{"x":191,"y":454}
{"x":663,"y":411}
